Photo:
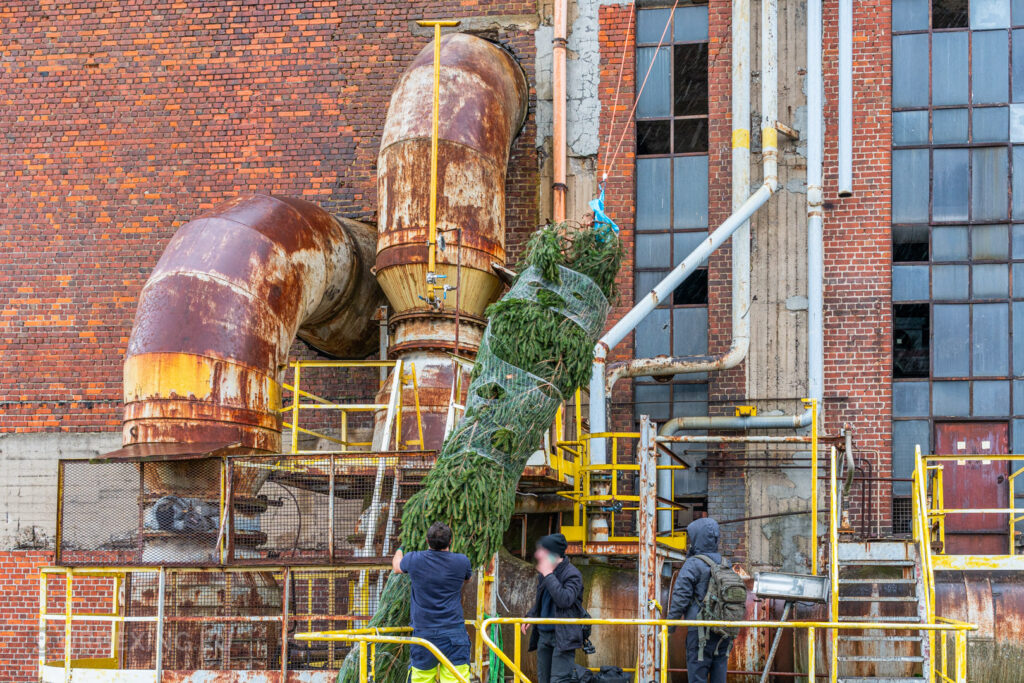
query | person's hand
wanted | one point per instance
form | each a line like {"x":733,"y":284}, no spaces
{"x":545,"y":566}
{"x":523,"y":628}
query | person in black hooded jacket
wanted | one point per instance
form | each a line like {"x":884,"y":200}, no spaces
{"x":559,"y":596}
{"x":687,"y":595}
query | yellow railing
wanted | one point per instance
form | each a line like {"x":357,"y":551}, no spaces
{"x":958,"y":630}
{"x":596,"y":486}
{"x":928,"y":486}
{"x":368,"y":639}
{"x":402,"y":377}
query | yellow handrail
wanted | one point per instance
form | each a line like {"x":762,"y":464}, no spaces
{"x":959,"y":629}
{"x":368,"y":646}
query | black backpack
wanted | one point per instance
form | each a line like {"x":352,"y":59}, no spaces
{"x":726,"y":600}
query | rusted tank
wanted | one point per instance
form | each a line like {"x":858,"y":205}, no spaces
{"x":484,"y":97}
{"x":221,"y":308}
{"x":994,"y":600}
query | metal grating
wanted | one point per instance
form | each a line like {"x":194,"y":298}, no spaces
{"x":902,"y":516}
{"x":273,"y":510}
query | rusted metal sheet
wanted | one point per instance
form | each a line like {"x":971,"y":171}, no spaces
{"x":975,"y":484}
{"x":220,"y":310}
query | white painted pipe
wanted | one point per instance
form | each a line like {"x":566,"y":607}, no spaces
{"x":845,"y":98}
{"x":815,"y":210}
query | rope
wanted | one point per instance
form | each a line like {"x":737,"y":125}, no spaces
{"x":625,"y":128}
{"x":496,"y":667}
{"x":618,"y":83}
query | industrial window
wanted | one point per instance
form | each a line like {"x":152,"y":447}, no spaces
{"x":958,"y":218}
{"x":672,"y":193}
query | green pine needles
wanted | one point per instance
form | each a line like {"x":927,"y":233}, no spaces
{"x":537,"y":350}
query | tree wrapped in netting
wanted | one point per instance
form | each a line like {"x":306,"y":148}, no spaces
{"x":536,"y":351}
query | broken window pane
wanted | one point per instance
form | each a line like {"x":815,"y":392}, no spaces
{"x":910,"y":243}
{"x":691,"y":79}
{"x":693,"y":290}
{"x":691,"y":136}
{"x":652,"y":137}
{"x":910,"y":340}
{"x":949,"y":13}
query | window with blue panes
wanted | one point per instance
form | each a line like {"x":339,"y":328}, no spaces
{"x":958,"y":218}
{"x":672,"y":206}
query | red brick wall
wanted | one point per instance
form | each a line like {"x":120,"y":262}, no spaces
{"x":19,"y":616}
{"x":858,"y":250}
{"x":122,"y":121}
{"x":618,"y":65}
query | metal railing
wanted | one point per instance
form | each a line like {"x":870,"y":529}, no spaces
{"x":401,"y":379}
{"x":929,"y":487}
{"x":94,"y":623}
{"x":954,"y":669}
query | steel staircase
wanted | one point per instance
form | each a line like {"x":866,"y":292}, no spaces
{"x":881,"y":582}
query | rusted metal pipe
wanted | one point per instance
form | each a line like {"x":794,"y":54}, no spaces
{"x":483,"y":101}
{"x":558,"y":107}
{"x":221,"y":308}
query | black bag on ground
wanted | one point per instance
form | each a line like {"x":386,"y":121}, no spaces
{"x":613,"y":674}
{"x":582,"y":674}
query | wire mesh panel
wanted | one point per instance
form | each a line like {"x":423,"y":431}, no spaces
{"x":98,"y":513}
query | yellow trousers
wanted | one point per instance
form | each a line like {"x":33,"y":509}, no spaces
{"x":431,"y":675}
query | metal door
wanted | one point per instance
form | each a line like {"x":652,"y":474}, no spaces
{"x":975,"y":484}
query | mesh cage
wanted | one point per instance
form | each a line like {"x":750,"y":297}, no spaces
{"x":272,"y":510}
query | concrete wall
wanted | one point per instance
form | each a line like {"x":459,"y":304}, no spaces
{"x":28,"y":488}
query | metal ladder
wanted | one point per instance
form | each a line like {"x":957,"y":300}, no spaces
{"x":881,"y":581}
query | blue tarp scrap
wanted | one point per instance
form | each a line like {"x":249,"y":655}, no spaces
{"x":600,"y":217}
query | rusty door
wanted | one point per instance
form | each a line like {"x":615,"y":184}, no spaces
{"x":975,"y":485}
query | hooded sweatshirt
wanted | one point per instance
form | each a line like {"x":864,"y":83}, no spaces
{"x":692,"y":582}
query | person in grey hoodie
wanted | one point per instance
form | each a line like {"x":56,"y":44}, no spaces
{"x":687,"y":595}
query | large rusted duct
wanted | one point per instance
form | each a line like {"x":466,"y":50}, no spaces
{"x":484,"y":97}
{"x":221,"y":308}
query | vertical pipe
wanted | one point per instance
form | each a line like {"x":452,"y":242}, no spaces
{"x":161,"y":594}
{"x":558,"y":151}
{"x":769,"y":91}
{"x":845,"y":98}
{"x":815,"y":214}
{"x":648,"y":560}
{"x":285,"y":599}
{"x":814,"y":486}
{"x":833,"y":563}
{"x":295,"y":407}
{"x":330,"y":511}
{"x":432,"y":234}
{"x":811,"y":655}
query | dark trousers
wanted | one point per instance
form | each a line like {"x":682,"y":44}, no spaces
{"x":554,"y":665}
{"x":712,"y":668}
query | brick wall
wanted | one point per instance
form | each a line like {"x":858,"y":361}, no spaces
{"x":121,"y":122}
{"x":19,"y":618}
{"x":858,"y":252}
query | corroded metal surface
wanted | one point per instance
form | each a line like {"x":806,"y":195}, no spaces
{"x":994,"y":600}
{"x":483,"y":103}
{"x":220,"y":310}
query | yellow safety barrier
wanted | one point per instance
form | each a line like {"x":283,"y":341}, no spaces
{"x":368,"y":639}
{"x":401,"y":378}
{"x":958,"y":630}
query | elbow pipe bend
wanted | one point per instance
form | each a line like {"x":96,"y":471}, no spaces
{"x":219,"y":312}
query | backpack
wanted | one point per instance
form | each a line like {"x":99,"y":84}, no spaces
{"x":613,"y":674}
{"x":726,"y":600}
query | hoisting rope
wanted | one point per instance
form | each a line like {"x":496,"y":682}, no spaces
{"x":495,"y":667}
